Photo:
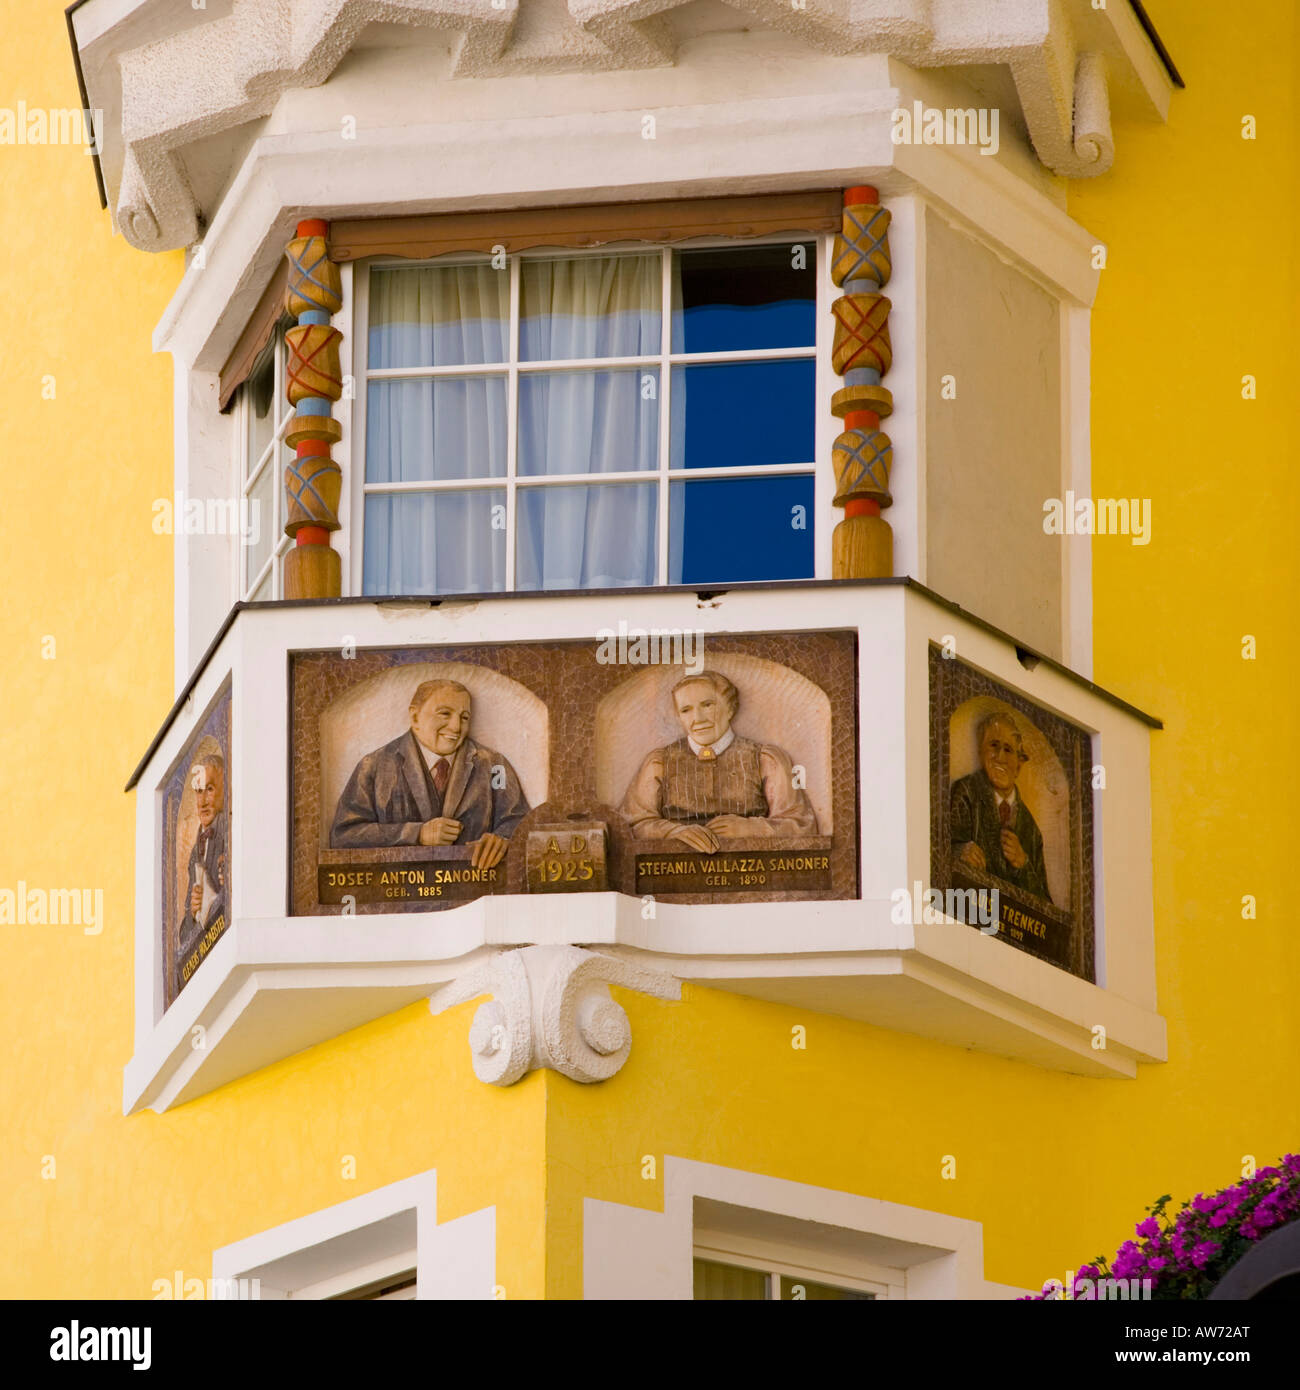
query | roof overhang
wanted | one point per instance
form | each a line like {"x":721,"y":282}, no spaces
{"x":182,"y":90}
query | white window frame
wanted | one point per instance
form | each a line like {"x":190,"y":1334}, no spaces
{"x":249,"y":472}
{"x":379,"y":1235}
{"x":663,"y":362}
{"x":780,"y":1262}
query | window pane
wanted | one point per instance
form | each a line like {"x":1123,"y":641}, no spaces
{"x":438,"y":316}
{"x":717,"y":1281}
{"x":435,"y":542}
{"x":591,"y":306}
{"x":741,"y":529}
{"x":259,"y":391}
{"x":261,"y":523}
{"x":263,"y":590}
{"x":579,"y":537}
{"x":588,"y":422}
{"x":450,"y":427}
{"x":728,"y":299}
{"x":793,"y":1289}
{"x":743,"y":414}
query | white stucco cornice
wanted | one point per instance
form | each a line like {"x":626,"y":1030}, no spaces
{"x":166,"y":83}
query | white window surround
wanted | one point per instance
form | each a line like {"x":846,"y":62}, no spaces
{"x":731,"y":1214}
{"x":378,"y":1235}
{"x":627,"y":1252}
{"x":275,"y":984}
{"x":826,"y":426}
{"x":1004,"y":202}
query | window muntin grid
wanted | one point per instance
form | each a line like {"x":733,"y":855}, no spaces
{"x":670,"y":474}
{"x":259,"y":436}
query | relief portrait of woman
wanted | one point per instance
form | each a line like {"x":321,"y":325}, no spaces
{"x":713,"y":785}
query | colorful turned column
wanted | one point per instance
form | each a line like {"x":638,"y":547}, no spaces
{"x":863,"y":544}
{"x":312,"y":482}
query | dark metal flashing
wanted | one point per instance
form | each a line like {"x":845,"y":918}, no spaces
{"x":85,"y":99}
{"x":1027,"y":655}
{"x":1149,"y":29}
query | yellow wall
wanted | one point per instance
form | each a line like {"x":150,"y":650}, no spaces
{"x":1198,"y":292}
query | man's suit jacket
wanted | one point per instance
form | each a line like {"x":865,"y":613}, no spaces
{"x":975,"y":817}
{"x":390,"y":795}
{"x":214,"y":862}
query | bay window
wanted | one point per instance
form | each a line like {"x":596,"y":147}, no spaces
{"x":589,"y":420}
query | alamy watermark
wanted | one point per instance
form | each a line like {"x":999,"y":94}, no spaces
{"x":976,"y":907}
{"x":1101,"y":1290}
{"x":53,"y":907}
{"x":37,"y":125}
{"x":1099,"y":516}
{"x":655,"y":646}
{"x":177,"y":1287}
{"x":179,"y":515}
{"x":934,"y":125}
{"x":77,"y":1343}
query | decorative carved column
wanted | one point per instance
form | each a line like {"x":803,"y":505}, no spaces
{"x":312,"y":482}
{"x":863,"y":543}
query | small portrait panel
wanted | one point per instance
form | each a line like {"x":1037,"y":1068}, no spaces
{"x":203,"y":847}
{"x":743,"y":753}
{"x":436,"y":783}
{"x":1009,"y":801}
{"x":196,"y":848}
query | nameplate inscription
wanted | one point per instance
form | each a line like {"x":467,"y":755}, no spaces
{"x":407,"y":882}
{"x":750,"y":871}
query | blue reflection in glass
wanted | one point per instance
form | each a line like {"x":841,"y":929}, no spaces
{"x":736,"y":529}
{"x":735,"y":299}
{"x":744,"y":414}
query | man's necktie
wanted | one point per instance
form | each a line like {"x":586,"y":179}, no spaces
{"x":1004,"y":813}
{"x":707,"y":755}
{"x":441,"y":771}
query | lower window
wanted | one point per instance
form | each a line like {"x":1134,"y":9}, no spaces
{"x":760,"y":1281}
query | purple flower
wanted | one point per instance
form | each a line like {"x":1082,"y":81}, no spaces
{"x":1174,"y":1250}
{"x":1128,"y":1261}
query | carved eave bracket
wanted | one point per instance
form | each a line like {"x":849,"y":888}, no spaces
{"x":1067,"y":59}
{"x":551,"y":1007}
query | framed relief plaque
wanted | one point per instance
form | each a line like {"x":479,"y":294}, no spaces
{"x":423,"y":777}
{"x":1011,"y":811}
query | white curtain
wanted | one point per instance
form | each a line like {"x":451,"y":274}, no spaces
{"x":440,"y":316}
{"x":583,"y":421}
{"x":434,"y":429}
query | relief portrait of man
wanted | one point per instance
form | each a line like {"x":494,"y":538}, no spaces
{"x":712,"y":785}
{"x":992,"y":828}
{"x":205,"y":900}
{"x":433,"y":785}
